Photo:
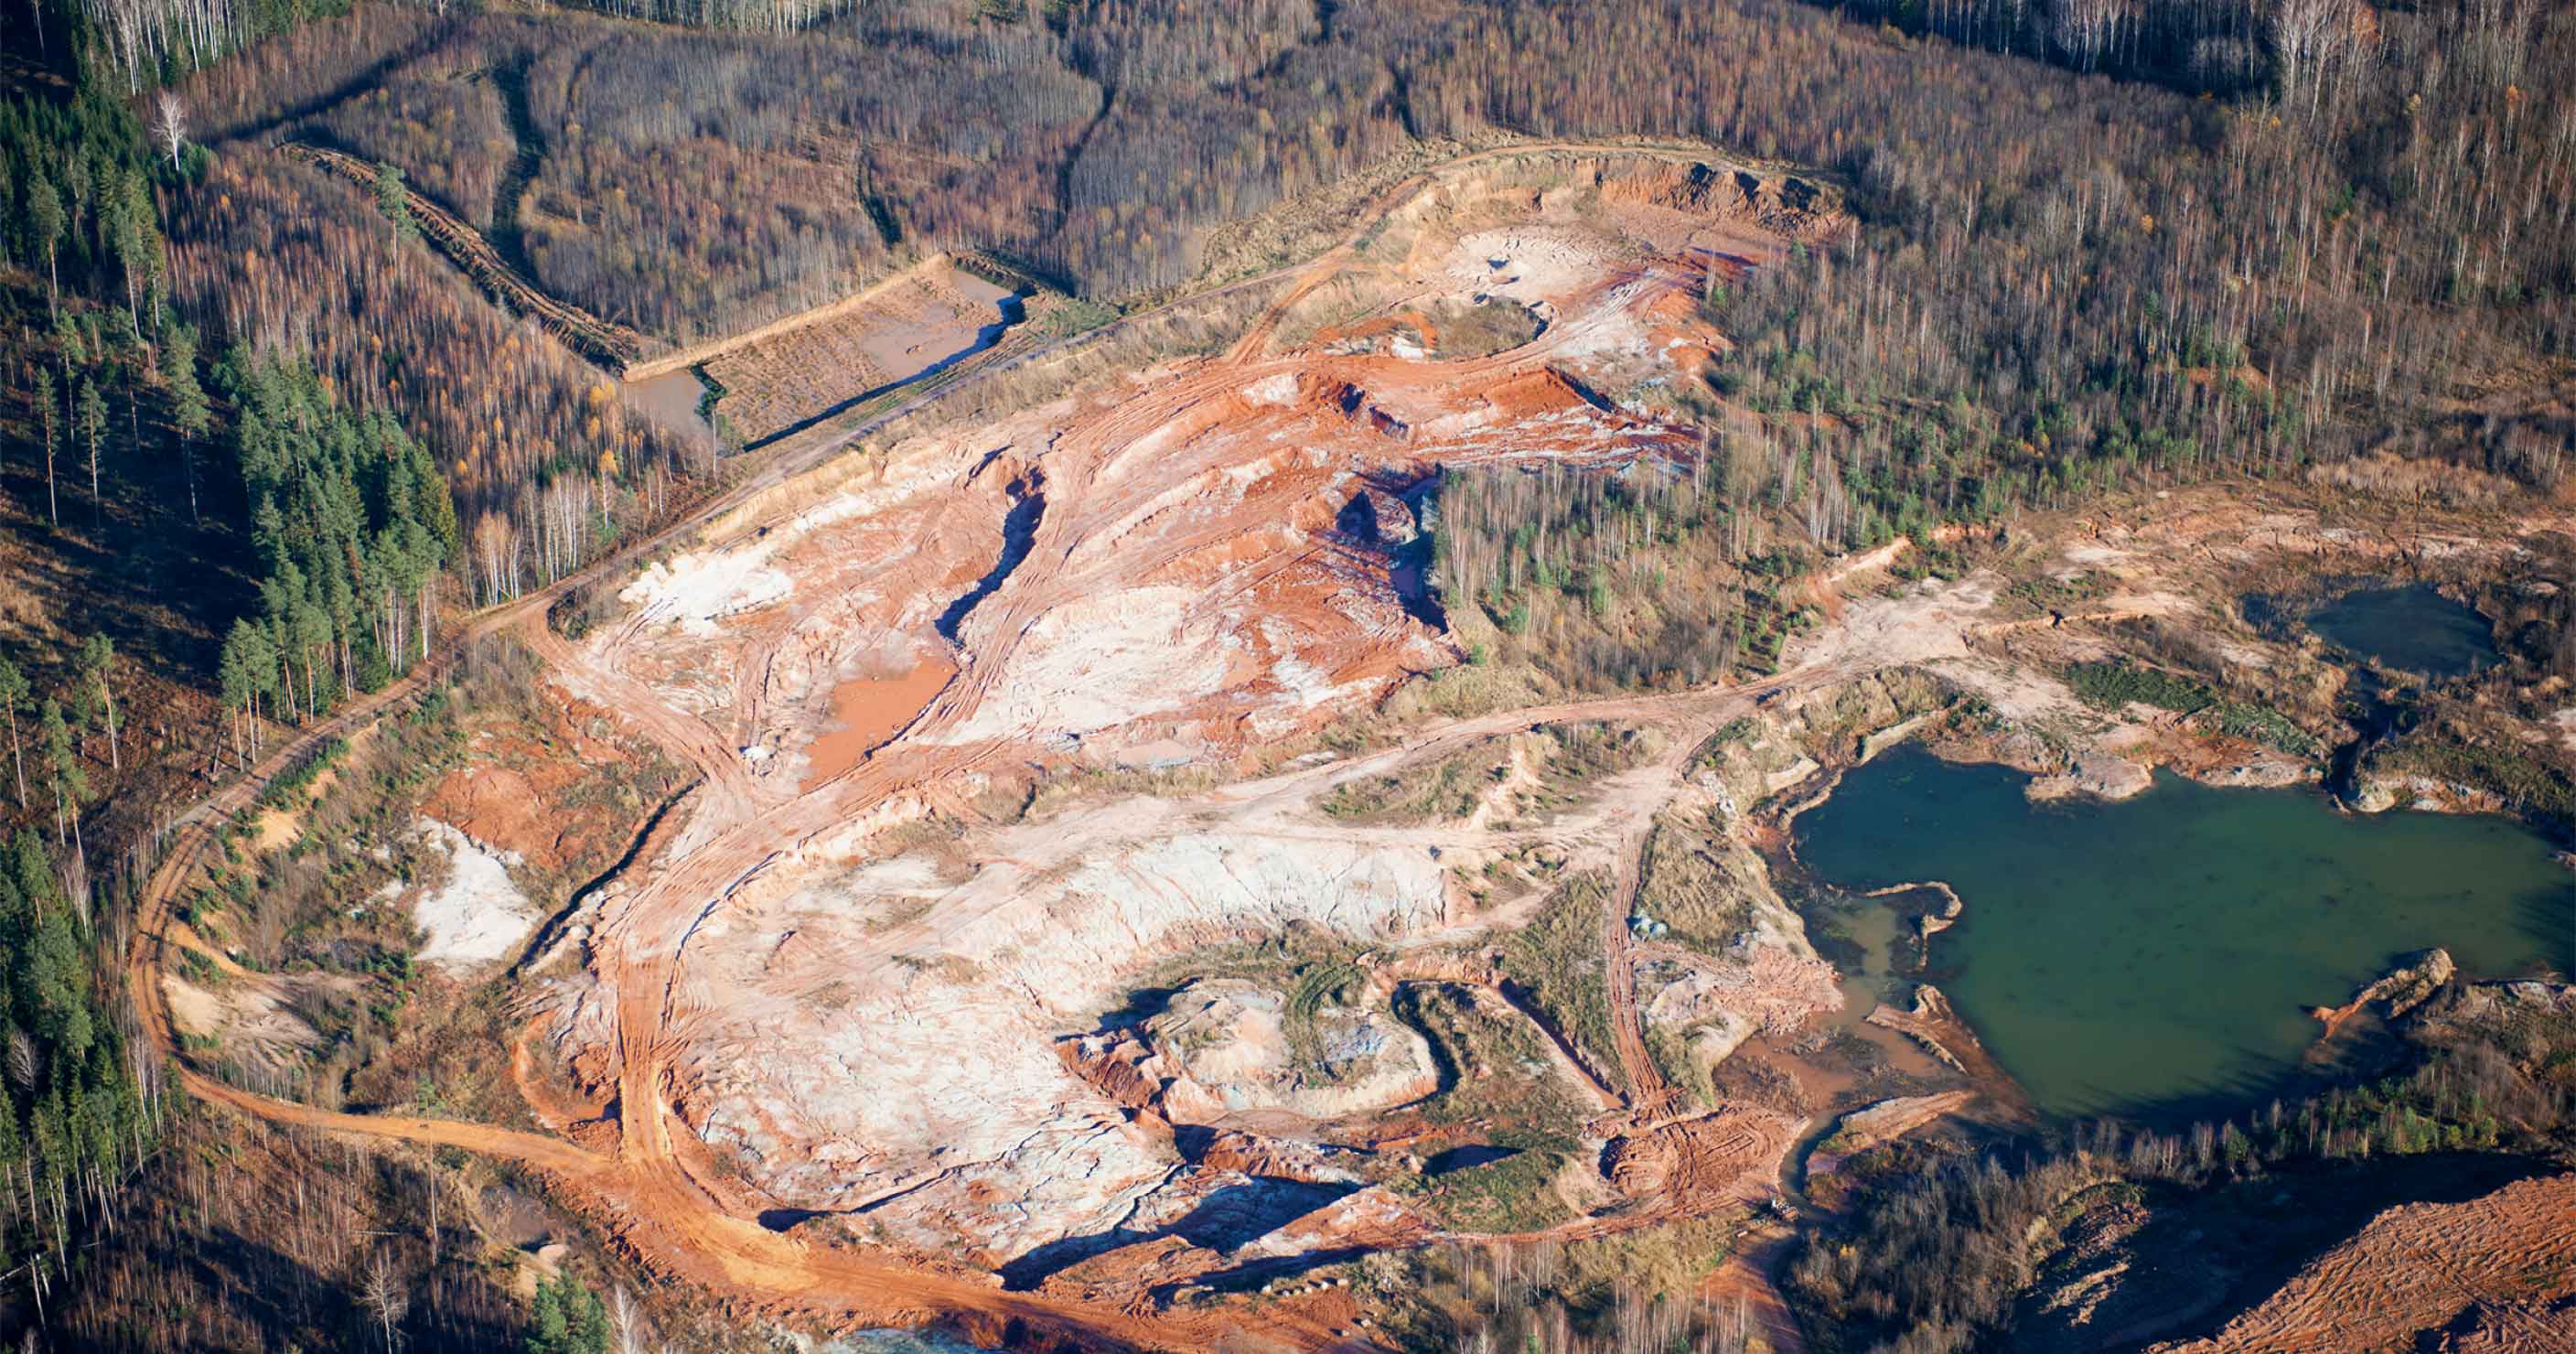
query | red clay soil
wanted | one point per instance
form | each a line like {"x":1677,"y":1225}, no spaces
{"x":2419,"y":1268}
{"x":1744,"y":1297}
{"x":870,"y":710}
{"x":518,"y":792}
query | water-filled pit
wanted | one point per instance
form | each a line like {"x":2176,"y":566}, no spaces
{"x":2160,"y":954}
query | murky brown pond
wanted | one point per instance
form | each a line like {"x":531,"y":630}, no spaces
{"x":869,"y":710}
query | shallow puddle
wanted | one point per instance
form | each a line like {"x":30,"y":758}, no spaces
{"x":2160,"y":955}
{"x":670,"y":399}
{"x":869,"y":711}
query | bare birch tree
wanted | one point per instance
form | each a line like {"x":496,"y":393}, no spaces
{"x":384,"y":1296}
{"x":170,"y":124}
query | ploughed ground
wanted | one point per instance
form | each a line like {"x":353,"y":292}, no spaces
{"x":1038,"y":950}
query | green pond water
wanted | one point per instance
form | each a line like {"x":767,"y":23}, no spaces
{"x":2158,"y":955}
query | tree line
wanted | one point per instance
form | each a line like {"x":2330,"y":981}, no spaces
{"x":1936,"y":1255}
{"x":84,"y":1099}
{"x":352,"y":527}
{"x":2021,"y":224}
{"x":2055,"y":286}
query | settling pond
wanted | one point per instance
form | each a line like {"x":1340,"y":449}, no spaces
{"x":2157,"y":956}
{"x":2409,"y":626}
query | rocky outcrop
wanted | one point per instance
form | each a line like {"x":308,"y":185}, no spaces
{"x":1935,"y":1025}
{"x":2113,"y":1275}
{"x":1791,"y":740}
{"x":2407,"y":986}
{"x":1389,"y":520}
{"x":1930,"y":924}
{"x":2379,"y":793}
{"x":1889,"y":1120}
{"x":2531,"y":1021}
{"x":2101,"y":775}
{"x":1239,"y":1047}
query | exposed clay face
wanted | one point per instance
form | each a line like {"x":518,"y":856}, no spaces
{"x":841,"y":991}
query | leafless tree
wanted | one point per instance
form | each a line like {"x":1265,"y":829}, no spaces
{"x":22,"y":1060}
{"x":385,"y":1297}
{"x":170,"y":124}
{"x":2309,"y":38}
{"x":627,"y":1320}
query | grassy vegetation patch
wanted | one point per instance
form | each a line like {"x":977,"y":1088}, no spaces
{"x":1072,"y":315}
{"x":1433,"y":791}
{"x":1332,"y":982}
{"x":2492,"y":763}
{"x":2113,"y":684}
{"x":1557,"y":962}
{"x":1588,"y":751}
{"x":1712,"y":750}
{"x":1685,"y":884}
{"x":1495,"y":1066}
{"x":290,"y":785}
{"x":2262,"y":724}
{"x":2049,"y":592}
{"x":1564,"y":759}
{"x":1511,"y":1194}
{"x":1482,"y":330}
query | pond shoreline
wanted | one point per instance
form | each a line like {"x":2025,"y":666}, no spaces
{"x":1979,"y":1007}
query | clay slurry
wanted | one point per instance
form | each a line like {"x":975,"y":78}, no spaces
{"x":2161,"y":954}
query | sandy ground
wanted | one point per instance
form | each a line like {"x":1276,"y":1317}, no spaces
{"x":475,"y":914}
{"x":1159,"y":572}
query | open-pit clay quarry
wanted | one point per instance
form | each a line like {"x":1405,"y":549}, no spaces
{"x":1047,"y":941}
{"x":859,"y":1000}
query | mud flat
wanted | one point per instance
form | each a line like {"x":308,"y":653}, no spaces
{"x":867,"y":711}
{"x":2161,"y":955}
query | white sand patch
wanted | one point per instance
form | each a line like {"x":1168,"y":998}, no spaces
{"x":2017,"y":694}
{"x":864,"y":1094}
{"x":477,"y":915}
{"x":1101,"y":662}
{"x":2566,"y":722}
{"x":1523,"y":265}
{"x":1273,"y":391}
{"x":697,"y":589}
